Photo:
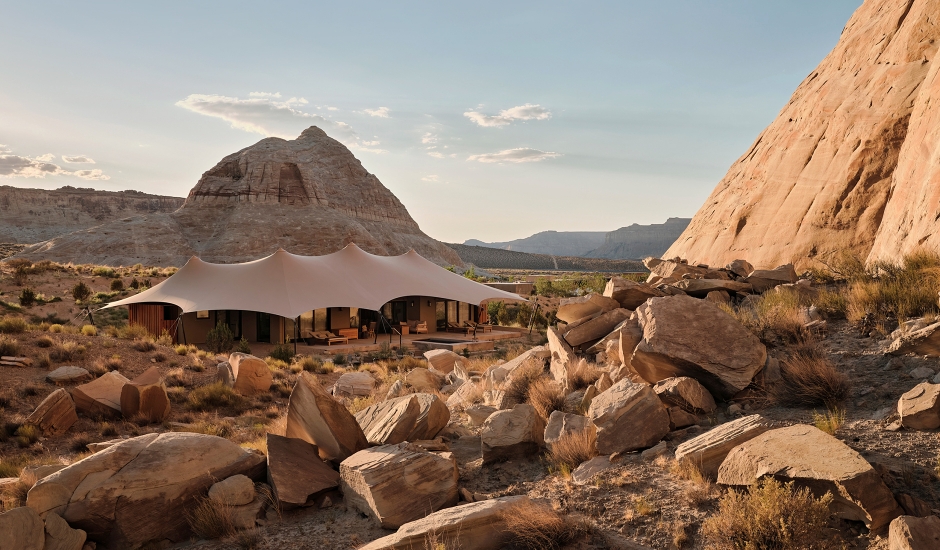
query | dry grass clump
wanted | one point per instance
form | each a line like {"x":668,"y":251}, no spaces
{"x":133,"y":332}
{"x":546,"y":397}
{"x":774,"y":316}
{"x":573,"y":448}
{"x":89,"y":330}
{"x":701,"y":489}
{"x":67,"y":351}
{"x":583,"y":375}
{"x":309,"y":364}
{"x":810,"y":379}
{"x":144,"y":345}
{"x":830,"y":421}
{"x":537,"y":526}
{"x":183,"y":349}
{"x":13,"y":325}
{"x":8,"y":346}
{"x":216,"y":427}
{"x":517,"y":390}
{"x":213,"y":396}
{"x":45,"y":342}
{"x":769,"y":516}
{"x":55,"y":328}
{"x":210,"y":519}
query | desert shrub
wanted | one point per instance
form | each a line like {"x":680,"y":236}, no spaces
{"x":769,"y":516}
{"x":13,"y":325}
{"x":81,"y":292}
{"x":159,"y":357}
{"x":283,"y":352}
{"x":106,"y":429}
{"x":135,"y":284}
{"x":310,"y":364}
{"x":242,"y":346}
{"x":833,"y":303}
{"x":27,"y":297}
{"x":545,"y":396}
{"x":830,"y":421}
{"x":573,"y":448}
{"x":112,"y":363}
{"x":26,"y":435}
{"x":67,"y":351}
{"x":144,"y":345}
{"x":213,"y":396}
{"x":165,"y":339}
{"x":89,"y":330}
{"x":774,"y":316}
{"x":134,"y":332}
{"x":339,"y":359}
{"x":810,"y":379}
{"x":55,"y":328}
{"x":43,"y":361}
{"x":102,"y":271}
{"x":29,"y":390}
{"x":183,"y":349}
{"x":275,"y":364}
{"x":220,"y":339}
{"x":583,"y":375}
{"x":8,"y":346}
{"x":117,"y":285}
{"x":537,"y":526}
{"x":897,"y":291}
{"x":517,"y":390}
{"x":210,"y":519}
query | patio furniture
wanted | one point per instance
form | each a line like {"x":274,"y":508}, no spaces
{"x":418,"y":327}
{"x":368,"y":331}
{"x":403,"y":328}
{"x":482,"y":327}
{"x":454,"y":327}
{"x":350,"y":333}
{"x":325,"y":337}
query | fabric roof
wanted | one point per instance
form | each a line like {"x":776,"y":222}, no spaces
{"x":286,"y":284}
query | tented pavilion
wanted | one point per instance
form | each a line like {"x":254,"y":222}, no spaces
{"x":340,"y":292}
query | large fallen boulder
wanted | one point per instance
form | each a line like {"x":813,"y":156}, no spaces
{"x":685,"y":393}
{"x":700,"y":288}
{"x":561,"y":424}
{"x":296,"y":473}
{"x":140,"y":490}
{"x":514,"y":433}
{"x":708,"y":450}
{"x":497,"y":374}
{"x":314,"y":416}
{"x":423,"y":379}
{"x":764,"y":279}
{"x":596,"y":328}
{"x":474,"y":526}
{"x":60,"y":536}
{"x":252,"y":375}
{"x":741,"y":268}
{"x":912,"y":533}
{"x":389,"y":422}
{"x":146,"y":396}
{"x":683,"y":336}
{"x":672,"y":270}
{"x":101,"y":396}
{"x":919,"y":407}
{"x":580,"y":307}
{"x":630,"y":294}
{"x":55,"y":415}
{"x":354,"y":384}
{"x":563,"y":359}
{"x":433,"y":416}
{"x":236,"y":490}
{"x":628,"y":417}
{"x":814,"y":459}
{"x":924,"y":341}
{"x":396,"y":484}
{"x":21,"y":529}
{"x":443,"y":360}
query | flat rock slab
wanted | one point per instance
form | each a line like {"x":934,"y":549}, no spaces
{"x":586,"y":471}
{"x":596,"y":328}
{"x":925,"y":341}
{"x":68,"y":375}
{"x":296,"y":472}
{"x":512,"y":433}
{"x":580,"y":307}
{"x":628,"y":417}
{"x":55,"y":415}
{"x":146,"y":396}
{"x":396,"y":484}
{"x":684,"y":336}
{"x":764,"y":279}
{"x":911,"y":533}
{"x":479,"y":413}
{"x":816,"y":460}
{"x":101,"y":396}
{"x":423,"y":379}
{"x":314,"y":416}
{"x":563,"y":359}
{"x":685,"y":393}
{"x":475,"y":526}
{"x":708,"y":451}
{"x":354,"y":384}
{"x":389,"y":422}
{"x":701,"y":288}
{"x":442,"y":360}
{"x":919,"y":407}
{"x":630,"y":294}
{"x":252,"y":375}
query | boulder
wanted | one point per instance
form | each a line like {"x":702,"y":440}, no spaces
{"x":628,"y":417}
{"x":589,"y":394}
{"x":924,"y":341}
{"x":913,"y":533}
{"x":701,"y":288}
{"x":473,"y":526}
{"x":496,"y":398}
{"x":442,"y":360}
{"x":479,"y":413}
{"x":236,"y":490}
{"x":395,"y":390}
{"x":32,"y":474}
{"x":580,"y":307}
{"x":680,"y":418}
{"x":354,"y":384}
{"x":395,"y":484}
{"x":563,"y":359}
{"x":814,"y":459}
{"x":586,"y":471}
{"x":389,"y":422}
{"x":919,"y":407}
{"x":514,"y":433}
{"x":314,"y":416}
{"x":55,"y":415}
{"x":146,"y":396}
{"x":422,"y":379}
{"x":139,"y":490}
{"x":561,"y":424}
{"x":603,"y":382}
{"x":741,"y":268}
{"x":630,"y":294}
{"x":68,"y":375}
{"x":686,"y":393}
{"x":246,"y":516}
{"x":21,"y":529}
{"x":296,"y":472}
{"x":433,"y":416}
{"x":465,"y":395}
{"x":100,"y":397}
{"x":683,"y":336}
{"x":802,"y":288}
{"x":765,"y":279}
{"x":252,"y":375}
{"x":596,"y":328}
{"x":708,"y":450}
{"x":718,"y":297}
{"x":224,"y":374}
{"x":59,"y":536}
{"x":500,"y":373}
{"x":675,"y":270}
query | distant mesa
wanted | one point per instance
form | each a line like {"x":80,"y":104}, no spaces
{"x":850,"y":163}
{"x":309,"y":196}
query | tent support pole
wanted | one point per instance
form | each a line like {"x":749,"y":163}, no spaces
{"x":90,"y":316}
{"x":296,"y":333}
{"x":182,"y":328}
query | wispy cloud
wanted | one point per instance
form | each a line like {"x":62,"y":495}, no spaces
{"x":507,"y":116}
{"x":519,"y":155}
{"x":429,"y":138}
{"x":78,"y":159}
{"x":18,"y":166}
{"x":431,"y":177}
{"x":435,"y":154}
{"x":381,"y":112}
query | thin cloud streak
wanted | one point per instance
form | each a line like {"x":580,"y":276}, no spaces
{"x":507,"y":116}
{"x":515,"y":156}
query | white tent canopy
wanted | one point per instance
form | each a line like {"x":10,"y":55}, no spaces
{"x":287,"y":285}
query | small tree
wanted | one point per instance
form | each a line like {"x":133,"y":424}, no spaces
{"x":135,"y":284}
{"x":117,"y":285}
{"x":27,"y":297}
{"x":243,"y":346}
{"x":81,"y":292}
{"x":282,"y":352}
{"x":543,"y":286}
{"x":220,"y":339}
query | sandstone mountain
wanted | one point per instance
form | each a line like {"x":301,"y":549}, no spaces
{"x":553,"y":243}
{"x":309,"y":196}
{"x":30,"y":216}
{"x":849,"y":163}
{"x":640,"y":241}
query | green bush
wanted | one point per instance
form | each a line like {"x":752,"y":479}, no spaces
{"x":117,"y":285}
{"x":220,"y":339}
{"x":283,"y":352}
{"x":81,"y":292}
{"x":102,"y":271}
{"x":12,"y":325}
{"x":135,"y":284}
{"x":27,"y":297}
{"x":213,"y":396}
{"x":243,"y":346}
{"x":339,"y":359}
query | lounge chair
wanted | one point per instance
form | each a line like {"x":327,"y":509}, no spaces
{"x":325,"y":337}
{"x":481,"y":327}
{"x":368,"y":331}
{"x":418,"y":327}
{"x":454,"y":327}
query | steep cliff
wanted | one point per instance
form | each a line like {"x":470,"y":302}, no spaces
{"x":639,"y":241}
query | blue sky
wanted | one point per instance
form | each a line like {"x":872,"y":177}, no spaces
{"x":489,"y":120}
